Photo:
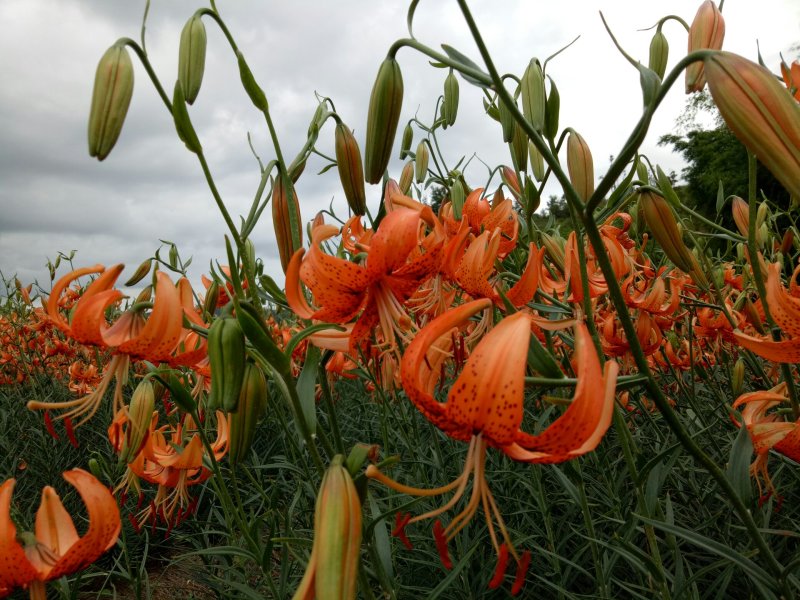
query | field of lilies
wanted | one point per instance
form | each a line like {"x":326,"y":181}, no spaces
{"x":457,"y":400}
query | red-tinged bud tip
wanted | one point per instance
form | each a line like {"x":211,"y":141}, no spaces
{"x":441,"y":544}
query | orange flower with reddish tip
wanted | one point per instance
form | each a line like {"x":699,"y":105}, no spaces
{"x":485,"y":408}
{"x":791,"y":77}
{"x":130,"y":336}
{"x":768,"y":431}
{"x":55,"y":549}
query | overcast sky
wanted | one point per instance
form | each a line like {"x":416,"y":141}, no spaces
{"x":53,"y":196}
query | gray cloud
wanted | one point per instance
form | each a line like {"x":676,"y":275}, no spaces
{"x":54,"y":197}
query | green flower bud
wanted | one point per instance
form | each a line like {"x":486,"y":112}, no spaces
{"x":113,"y":90}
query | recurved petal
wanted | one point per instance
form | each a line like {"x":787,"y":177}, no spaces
{"x":523,"y":290}
{"x":785,"y":308}
{"x":338,"y":285}
{"x":414,"y":372}
{"x":161,"y":332}
{"x":104,"y":524}
{"x":54,"y":529}
{"x":15,"y":569}
{"x":488,"y":394}
{"x":787,"y":351}
{"x":584,"y":423}
{"x":396,"y":237}
{"x":89,"y":319}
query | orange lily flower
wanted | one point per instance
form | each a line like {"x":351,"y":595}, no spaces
{"x":791,"y":77}
{"x":767,"y":431}
{"x":131,"y":336}
{"x":172,"y":458}
{"x":485,"y":408}
{"x":397,"y":263}
{"x":785,"y":309}
{"x":55,"y":549}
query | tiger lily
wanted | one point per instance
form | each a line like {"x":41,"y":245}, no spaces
{"x":397,"y":262}
{"x":485,"y":407}
{"x":55,"y":549}
{"x":131,"y":335}
{"x":767,"y":431}
{"x":785,"y":309}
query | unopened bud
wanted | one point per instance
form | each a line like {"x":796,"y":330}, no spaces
{"x":737,"y":379}
{"x":457,"y":197}
{"x":509,"y":177}
{"x":140,"y":413}
{"x":760,"y":112}
{"x":741,"y":215}
{"x":706,"y":33}
{"x":580,"y":165}
{"x":506,"y":121}
{"x":450,"y":103}
{"x":555,"y":249}
{"x":243,"y":421}
{"x":113,"y":90}
{"x":281,"y":221}
{"x":192,"y":57}
{"x":140,"y":273}
{"x":787,"y":241}
{"x":382,"y":118}
{"x":519,"y":148}
{"x":662,"y":224}
{"x":405,"y":144}
{"x":421,"y":162}
{"x":659,"y":53}
{"x":351,"y":172}
{"x":533,"y":94}
{"x":537,"y":162}
{"x":406,"y":177}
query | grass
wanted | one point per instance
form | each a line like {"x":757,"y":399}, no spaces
{"x":583,"y":520}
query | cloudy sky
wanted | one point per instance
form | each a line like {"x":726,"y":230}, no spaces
{"x":53,"y":197}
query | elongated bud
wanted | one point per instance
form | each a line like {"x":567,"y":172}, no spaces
{"x":211,"y":299}
{"x":741,"y":215}
{"x":787,"y":241}
{"x":760,"y":112}
{"x":498,"y":197}
{"x":509,"y":177}
{"x":737,"y":379}
{"x":450,"y":103}
{"x":537,"y":162}
{"x":296,"y":169}
{"x":140,"y":413}
{"x":662,"y":224}
{"x":226,"y":355}
{"x":337,"y":534}
{"x":761,"y":214}
{"x":281,"y":221}
{"x":382,"y":118}
{"x":555,"y":249}
{"x":551,"y":111}
{"x":641,"y":173}
{"x":753,"y":316}
{"x":406,"y":177}
{"x":192,"y":57}
{"x":113,"y":90}
{"x":173,"y":256}
{"x":243,"y":421}
{"x":333,"y":566}
{"x":319,"y":220}
{"x":519,"y":148}
{"x":533,"y":94}
{"x":659,"y":53}
{"x":141,"y":272}
{"x":316,"y":120}
{"x":145,"y":295}
{"x":351,"y":172}
{"x":580,"y":165}
{"x":405,"y":144}
{"x":706,"y":33}
{"x":506,"y":121}
{"x":457,"y":197}
{"x":421,"y":162}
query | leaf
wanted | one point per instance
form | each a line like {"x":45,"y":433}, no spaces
{"x":738,"y":471}
{"x":467,"y":62}
{"x":306,"y":385}
{"x":756,"y":573}
{"x":308,"y":331}
{"x":720,"y":198}
{"x":382,"y":544}
{"x":568,"y":485}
